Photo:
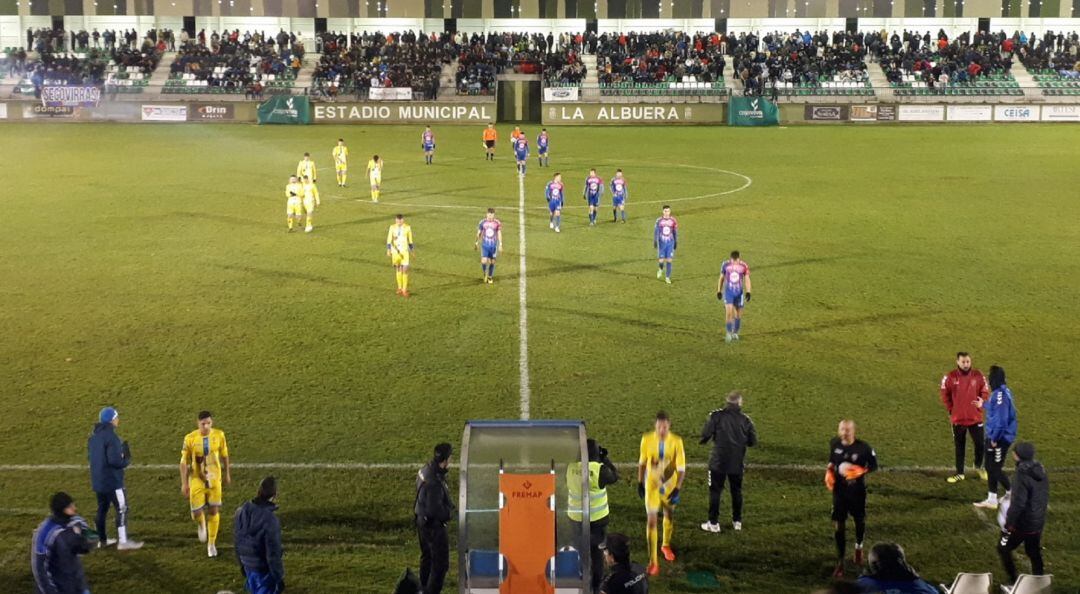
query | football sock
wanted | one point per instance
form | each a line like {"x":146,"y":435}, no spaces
{"x":289,"y":221}
{"x":860,"y":532}
{"x":212,"y":528}
{"x":729,"y":327}
{"x":404,"y":281}
{"x":484,"y":267}
{"x":841,"y":546}
{"x":309,"y":220}
{"x":669,"y":269}
{"x":624,"y":215}
{"x":737,"y":323}
{"x":669,"y":527}
{"x":653,"y":553}
{"x":661,"y":265}
{"x":614,"y":214}
{"x":558,"y":220}
{"x":344,"y":178}
{"x":491,"y":270}
{"x":397,"y":277}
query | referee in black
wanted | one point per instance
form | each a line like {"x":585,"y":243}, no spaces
{"x":731,"y":432}
{"x":850,"y":460}
{"x":434,"y":510}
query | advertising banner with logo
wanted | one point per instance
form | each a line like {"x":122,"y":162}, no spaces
{"x":284,"y":109}
{"x":3,"y":111}
{"x":1016,"y":113}
{"x":40,"y":111}
{"x":872,"y":113}
{"x":970,"y":113}
{"x":562,"y":94}
{"x":752,"y":111}
{"x":70,"y":96}
{"x":1061,"y":113}
{"x":164,"y":113}
{"x":210,"y":112}
{"x":921,"y":113}
{"x":390,"y":94}
{"x":636,"y":114}
{"x":825,"y":113}
{"x":414,"y":112}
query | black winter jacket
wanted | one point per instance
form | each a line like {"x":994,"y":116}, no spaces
{"x":1030,"y":496}
{"x":731,"y":432}
{"x":107,"y":459}
{"x":55,"y":557}
{"x":257,"y":534}
{"x":433,"y":503}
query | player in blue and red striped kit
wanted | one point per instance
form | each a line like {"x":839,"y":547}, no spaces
{"x":542,"y":148}
{"x":427,"y":142}
{"x":733,"y":289}
{"x":666,"y":241}
{"x":521,"y":153}
{"x":619,"y":193}
{"x":489,"y":242}
{"x":594,"y":187}
{"x":554,"y":194}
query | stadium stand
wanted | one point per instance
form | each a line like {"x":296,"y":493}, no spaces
{"x":394,"y":60}
{"x":660,"y":64}
{"x":234,"y":64}
{"x":121,"y":70}
{"x":968,"y":65}
{"x":803,"y":63}
{"x":1053,"y":61}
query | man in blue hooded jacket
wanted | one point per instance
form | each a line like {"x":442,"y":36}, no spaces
{"x":109,"y":456}
{"x":1000,"y":434}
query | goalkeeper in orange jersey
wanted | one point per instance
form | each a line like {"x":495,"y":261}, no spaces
{"x":850,"y":460}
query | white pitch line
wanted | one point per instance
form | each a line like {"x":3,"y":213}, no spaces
{"x":523,"y":313}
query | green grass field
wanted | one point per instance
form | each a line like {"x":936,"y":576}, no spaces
{"x":148,"y":267}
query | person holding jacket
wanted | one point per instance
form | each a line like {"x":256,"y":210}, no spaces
{"x":1025,"y":517}
{"x":1000,"y":433}
{"x":601,"y":473}
{"x":434,"y":510}
{"x":731,"y":432}
{"x":257,"y":535}
{"x":109,"y":456}
{"x":58,"y":543}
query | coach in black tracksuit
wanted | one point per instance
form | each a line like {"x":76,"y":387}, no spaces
{"x":731,"y":432}
{"x":434,"y":509}
{"x":1026,"y":515}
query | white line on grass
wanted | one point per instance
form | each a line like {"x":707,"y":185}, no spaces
{"x":523,"y":313}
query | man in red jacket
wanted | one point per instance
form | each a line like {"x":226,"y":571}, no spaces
{"x":960,"y":389}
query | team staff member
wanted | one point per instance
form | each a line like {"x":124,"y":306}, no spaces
{"x":661,"y":472}
{"x":625,"y":577}
{"x":109,"y":456}
{"x":433,"y":510}
{"x":257,"y":534}
{"x":601,"y":473}
{"x":1000,"y":433}
{"x":491,"y":138}
{"x":1026,"y":516}
{"x":58,"y":543}
{"x":849,"y":461}
{"x":960,"y":388}
{"x":731,"y":432}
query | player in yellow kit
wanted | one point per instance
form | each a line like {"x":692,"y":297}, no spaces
{"x":399,"y":246}
{"x":306,"y":168}
{"x":204,"y":467}
{"x":374,"y":172}
{"x":661,"y":471}
{"x":311,"y":200}
{"x":294,"y":201}
{"x":341,"y":162}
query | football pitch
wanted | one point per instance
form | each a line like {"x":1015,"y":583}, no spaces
{"x":148,"y":267}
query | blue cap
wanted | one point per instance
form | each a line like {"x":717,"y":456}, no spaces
{"x":107,"y":414}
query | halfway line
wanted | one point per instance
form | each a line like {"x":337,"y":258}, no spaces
{"x":523,"y":314}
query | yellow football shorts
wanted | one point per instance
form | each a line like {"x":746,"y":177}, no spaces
{"x":309,"y":205}
{"x":293,"y":207}
{"x":655,"y":501}
{"x":201,"y":496}
{"x":399,"y":258}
